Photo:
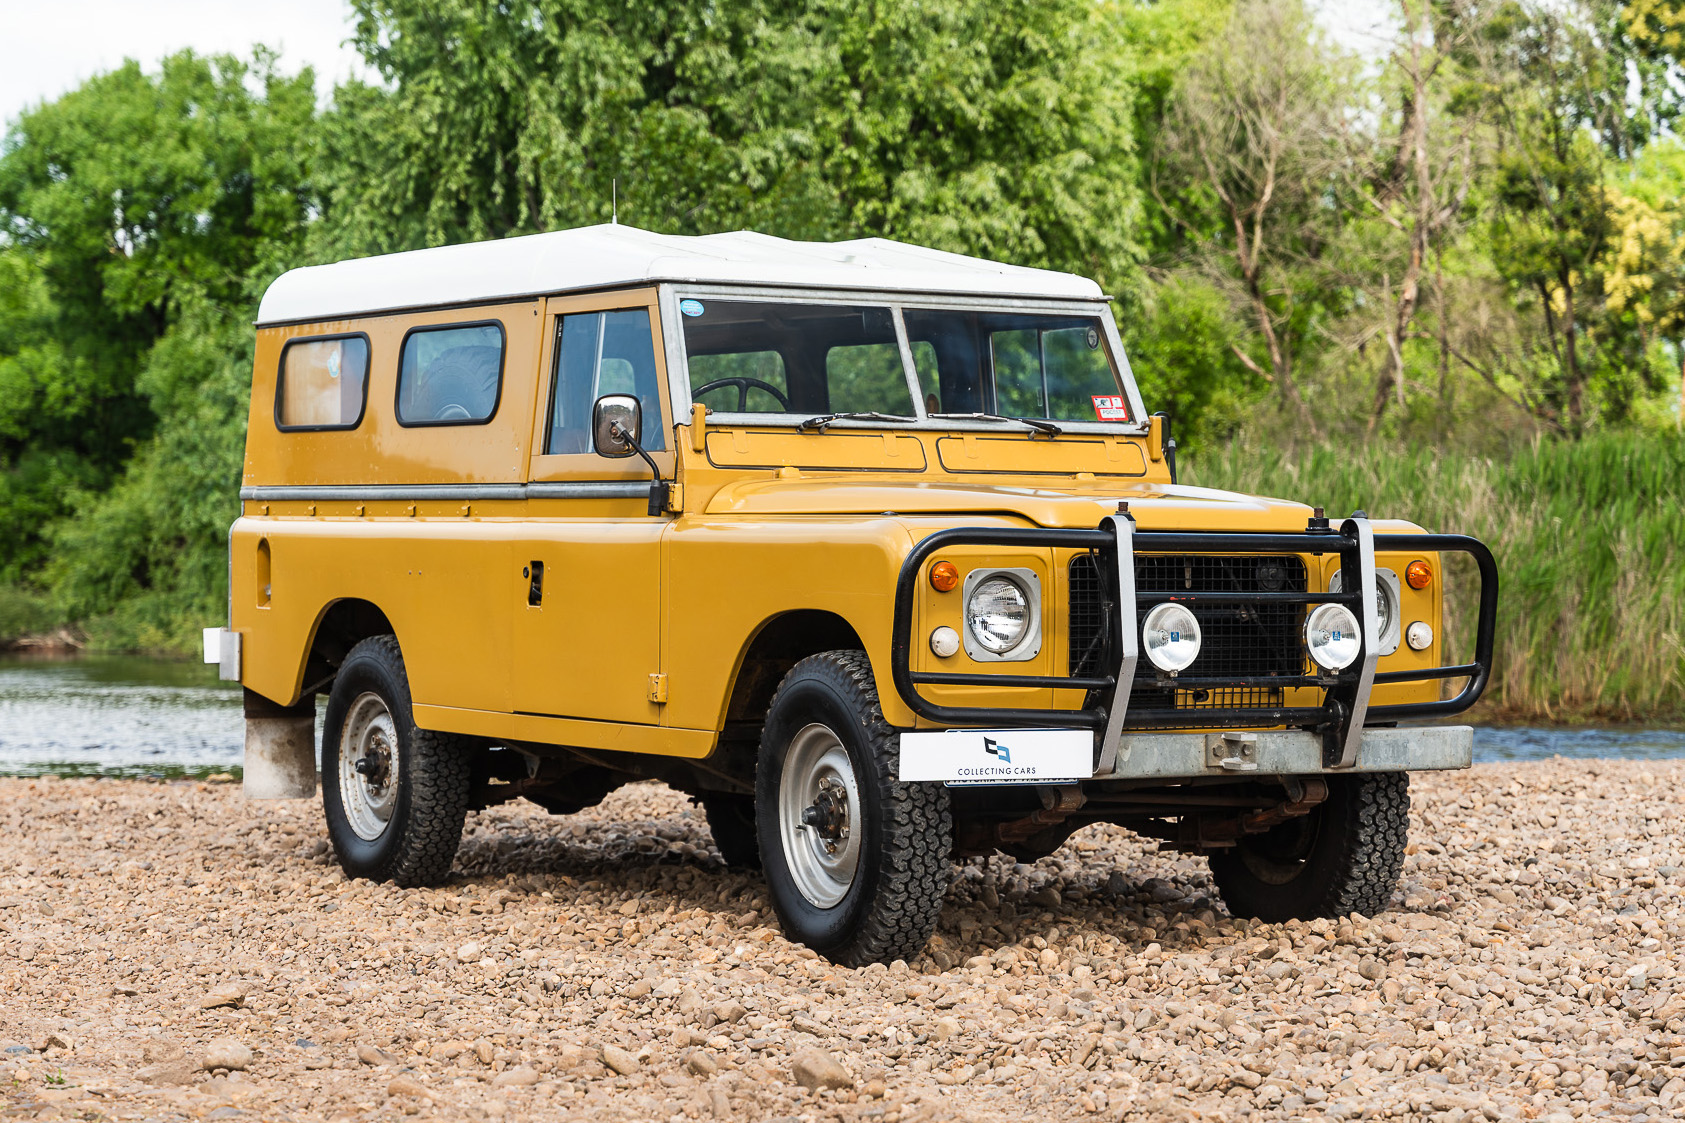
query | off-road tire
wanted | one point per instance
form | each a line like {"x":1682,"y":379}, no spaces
{"x":435,"y":778}
{"x":1349,"y":854}
{"x":731,"y":820}
{"x":893,"y":903}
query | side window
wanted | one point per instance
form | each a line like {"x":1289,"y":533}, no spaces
{"x":450,"y":375}
{"x":601,"y":353}
{"x":323,"y":383}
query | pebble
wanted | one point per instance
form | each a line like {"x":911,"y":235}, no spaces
{"x":1527,"y":970}
{"x":815,"y":1069}
{"x":226,"y":1052}
{"x":407,"y":1086}
{"x":619,"y":1060}
{"x":228,"y":994}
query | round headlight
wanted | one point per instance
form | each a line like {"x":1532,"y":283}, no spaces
{"x":1385,"y":610}
{"x":1171,"y":637}
{"x":998,"y":614}
{"x":1332,"y":636}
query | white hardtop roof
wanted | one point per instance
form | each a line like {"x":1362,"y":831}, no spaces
{"x":610,"y":256}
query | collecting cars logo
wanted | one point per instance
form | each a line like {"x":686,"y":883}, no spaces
{"x":1003,"y":754}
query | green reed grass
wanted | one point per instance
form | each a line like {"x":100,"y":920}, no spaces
{"x":1590,"y":542}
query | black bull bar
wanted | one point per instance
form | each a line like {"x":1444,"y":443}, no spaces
{"x":1345,"y":709}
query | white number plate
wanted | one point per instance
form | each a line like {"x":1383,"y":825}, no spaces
{"x":998,"y":756}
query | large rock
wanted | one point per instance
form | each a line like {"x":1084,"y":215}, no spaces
{"x":815,"y":1069}
{"x":226,"y":1052}
{"x":619,"y":1060}
{"x":518,"y":1077}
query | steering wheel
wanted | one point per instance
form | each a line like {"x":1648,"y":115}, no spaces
{"x":744,"y":385}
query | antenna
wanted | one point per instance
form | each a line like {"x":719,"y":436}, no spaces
{"x":614,"y":202}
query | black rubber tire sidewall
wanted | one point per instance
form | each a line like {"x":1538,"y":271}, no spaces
{"x":731,"y":820}
{"x":421,"y":836}
{"x":1353,"y":863}
{"x":801,"y":703}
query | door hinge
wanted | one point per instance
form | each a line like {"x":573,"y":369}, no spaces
{"x":658,"y":689}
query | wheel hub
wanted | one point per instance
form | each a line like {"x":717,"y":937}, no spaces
{"x":828,"y":814}
{"x":818,"y":809}
{"x":368,"y":766}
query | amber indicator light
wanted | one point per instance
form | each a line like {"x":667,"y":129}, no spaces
{"x":944,"y":576}
{"x":1418,"y":574}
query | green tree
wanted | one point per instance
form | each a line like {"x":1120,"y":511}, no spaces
{"x":1247,"y":167}
{"x":142,"y":214}
{"x":997,"y":128}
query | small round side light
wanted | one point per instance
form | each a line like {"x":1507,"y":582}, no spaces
{"x":944,"y":642}
{"x":944,"y":576}
{"x":1418,"y":574}
{"x":1419,"y":635}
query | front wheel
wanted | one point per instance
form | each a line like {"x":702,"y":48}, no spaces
{"x":857,"y":861}
{"x":1344,"y":857}
{"x":395,"y":797}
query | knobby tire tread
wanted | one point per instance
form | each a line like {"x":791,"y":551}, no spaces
{"x":440,"y":780}
{"x":915,"y":837}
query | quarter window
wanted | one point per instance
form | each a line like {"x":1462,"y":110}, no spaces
{"x":450,"y":375}
{"x":601,"y":353}
{"x":323,"y":383}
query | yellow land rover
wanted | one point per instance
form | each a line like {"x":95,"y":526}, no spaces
{"x":873,"y":550}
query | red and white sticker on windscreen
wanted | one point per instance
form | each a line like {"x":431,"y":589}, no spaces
{"x":1108,"y":407}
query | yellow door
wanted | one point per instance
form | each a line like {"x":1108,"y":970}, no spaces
{"x":586,"y":583}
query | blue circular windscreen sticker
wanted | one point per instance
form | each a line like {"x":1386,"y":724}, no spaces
{"x":691,"y":307}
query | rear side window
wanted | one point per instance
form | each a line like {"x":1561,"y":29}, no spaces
{"x":323,"y":383}
{"x":450,"y":375}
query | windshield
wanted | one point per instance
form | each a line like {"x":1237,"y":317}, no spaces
{"x":809,"y":359}
{"x":794,"y":358}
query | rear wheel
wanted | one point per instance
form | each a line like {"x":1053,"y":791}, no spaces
{"x":857,"y":861}
{"x":731,"y":820}
{"x":1344,"y":857}
{"x":394,"y":796}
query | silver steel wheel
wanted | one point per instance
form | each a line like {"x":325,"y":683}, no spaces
{"x":368,"y":766}
{"x":819,"y":815}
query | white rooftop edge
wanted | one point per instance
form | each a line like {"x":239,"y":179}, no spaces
{"x":608,"y":256}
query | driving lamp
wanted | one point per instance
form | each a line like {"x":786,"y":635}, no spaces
{"x":1333,"y":637}
{"x":998,"y":614}
{"x":1171,"y":637}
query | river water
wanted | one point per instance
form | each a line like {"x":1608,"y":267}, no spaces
{"x":128,"y":716}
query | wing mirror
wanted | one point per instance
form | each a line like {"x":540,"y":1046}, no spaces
{"x":616,"y":426}
{"x":617,"y":421}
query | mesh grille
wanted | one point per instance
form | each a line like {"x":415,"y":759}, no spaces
{"x":1250,"y":640}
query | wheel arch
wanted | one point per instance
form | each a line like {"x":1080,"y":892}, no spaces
{"x":778,"y":644}
{"x":340,"y":626}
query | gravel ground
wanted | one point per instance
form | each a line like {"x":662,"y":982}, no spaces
{"x":171,"y":951}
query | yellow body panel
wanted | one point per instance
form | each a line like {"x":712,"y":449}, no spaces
{"x":644,"y":625}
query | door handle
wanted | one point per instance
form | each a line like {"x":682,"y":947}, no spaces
{"x":534,"y":573}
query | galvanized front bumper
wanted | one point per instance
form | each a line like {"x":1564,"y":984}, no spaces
{"x":1148,"y":755}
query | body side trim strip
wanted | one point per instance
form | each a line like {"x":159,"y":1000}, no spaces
{"x":584,"y":489}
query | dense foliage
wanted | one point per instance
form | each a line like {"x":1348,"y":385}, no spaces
{"x":1466,"y":237}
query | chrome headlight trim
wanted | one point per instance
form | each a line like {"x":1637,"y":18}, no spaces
{"x":1027,"y":647}
{"x":1390,"y":591}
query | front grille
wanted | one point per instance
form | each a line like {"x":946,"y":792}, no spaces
{"x":1239,"y":641}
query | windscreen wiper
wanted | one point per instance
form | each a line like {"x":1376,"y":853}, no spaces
{"x":818,"y":424}
{"x":1035,"y":423}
